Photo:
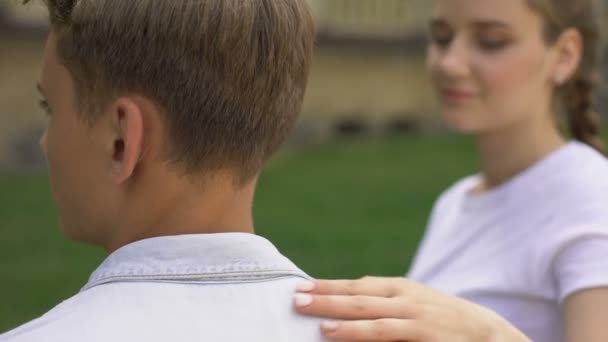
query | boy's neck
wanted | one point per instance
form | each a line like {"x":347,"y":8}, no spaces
{"x":177,"y":208}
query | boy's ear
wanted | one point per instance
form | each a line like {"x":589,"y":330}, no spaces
{"x":128,"y":134}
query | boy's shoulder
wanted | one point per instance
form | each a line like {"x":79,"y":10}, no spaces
{"x":159,"y":311}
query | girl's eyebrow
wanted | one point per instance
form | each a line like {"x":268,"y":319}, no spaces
{"x":478,"y":24}
{"x":485,"y":24}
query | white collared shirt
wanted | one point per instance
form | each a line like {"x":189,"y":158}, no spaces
{"x":216,"y":287}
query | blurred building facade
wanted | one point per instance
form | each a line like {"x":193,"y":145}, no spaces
{"x":368,"y":74}
{"x":371,"y":18}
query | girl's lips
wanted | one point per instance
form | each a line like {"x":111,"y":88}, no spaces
{"x":456,"y":96}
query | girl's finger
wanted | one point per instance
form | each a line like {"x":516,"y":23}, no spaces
{"x":374,"y":330}
{"x":368,"y":286}
{"x":354,"y":307}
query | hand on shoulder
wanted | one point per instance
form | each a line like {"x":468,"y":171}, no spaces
{"x":397,"y":309}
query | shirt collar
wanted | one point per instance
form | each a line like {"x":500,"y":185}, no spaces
{"x":186,"y":256}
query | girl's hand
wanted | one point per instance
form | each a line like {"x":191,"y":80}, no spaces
{"x":396,"y":309}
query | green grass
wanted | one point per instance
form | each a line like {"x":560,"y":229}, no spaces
{"x":339,"y":210}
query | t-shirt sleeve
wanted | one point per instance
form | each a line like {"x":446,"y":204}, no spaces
{"x":582,"y":263}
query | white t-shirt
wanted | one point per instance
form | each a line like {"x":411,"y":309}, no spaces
{"x":522,"y":248}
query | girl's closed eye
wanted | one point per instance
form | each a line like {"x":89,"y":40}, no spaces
{"x":493,"y":42}
{"x":492,"y":45}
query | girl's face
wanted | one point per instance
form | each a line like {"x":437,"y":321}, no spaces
{"x":490,"y":64}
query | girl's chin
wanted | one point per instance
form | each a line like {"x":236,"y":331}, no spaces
{"x":460,"y":122}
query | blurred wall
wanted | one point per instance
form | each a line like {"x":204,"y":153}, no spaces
{"x":369,"y":67}
{"x":22,"y":34}
{"x":367,"y":76}
{"x":372,"y":18}
{"x":20,"y":119}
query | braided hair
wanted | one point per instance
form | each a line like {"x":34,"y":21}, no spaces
{"x":576,"y":94}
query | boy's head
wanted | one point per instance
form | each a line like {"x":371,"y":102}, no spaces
{"x":137,"y":88}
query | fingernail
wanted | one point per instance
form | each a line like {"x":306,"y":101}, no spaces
{"x":329,"y":326}
{"x":305,"y":286}
{"x":302,"y":299}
